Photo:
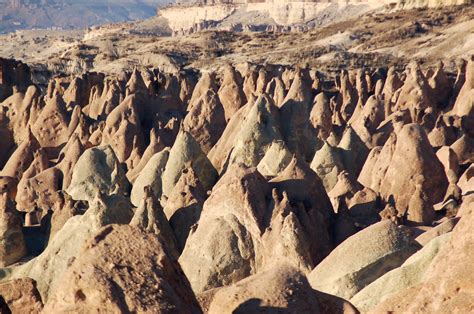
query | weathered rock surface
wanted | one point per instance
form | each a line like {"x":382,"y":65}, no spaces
{"x":48,"y":268}
{"x":12,"y":242}
{"x":363,"y":258}
{"x":20,"y":296}
{"x":441,"y":229}
{"x":149,"y":216}
{"x":281,"y":288}
{"x":151,"y":175}
{"x":184,"y":206}
{"x":98,"y":170}
{"x":408,"y":274}
{"x":184,"y":153}
{"x":415,"y":178}
{"x":447,"y":283}
{"x":243,"y":176}
{"x":123,"y":269}
{"x":220,"y":250}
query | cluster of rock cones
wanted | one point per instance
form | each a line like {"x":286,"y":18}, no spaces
{"x":255,"y":188}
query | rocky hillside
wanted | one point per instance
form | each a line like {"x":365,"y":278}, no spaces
{"x":256,"y":187}
{"x":279,"y":15}
{"x":312,"y":170}
{"x":372,"y":40}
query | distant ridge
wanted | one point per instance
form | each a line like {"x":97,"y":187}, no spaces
{"x":68,"y":14}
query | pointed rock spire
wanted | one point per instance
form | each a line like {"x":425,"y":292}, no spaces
{"x":187,"y":151}
{"x":150,"y":217}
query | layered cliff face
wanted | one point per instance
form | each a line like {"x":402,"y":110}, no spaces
{"x":275,"y":14}
{"x":258,"y":15}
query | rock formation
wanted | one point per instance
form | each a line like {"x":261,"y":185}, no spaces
{"x":97,"y":280}
{"x":98,"y":170}
{"x":12,"y":240}
{"x":20,"y":295}
{"x":342,"y":276}
{"x":150,"y":189}
{"x":269,"y":291}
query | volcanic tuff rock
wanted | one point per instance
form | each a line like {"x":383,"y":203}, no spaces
{"x":363,"y":258}
{"x":12,"y":243}
{"x":205,"y":120}
{"x":447,"y":283}
{"x":231,"y":93}
{"x":276,"y":159}
{"x":48,"y":268}
{"x":150,"y":217}
{"x":244,"y":227}
{"x":220,"y":250}
{"x":279,"y":287}
{"x":408,"y":274}
{"x":151,"y":175}
{"x":184,"y":205}
{"x":257,"y":131}
{"x":98,"y":170}
{"x":98,"y":281}
{"x":236,"y":171}
{"x":20,"y":295}
{"x":187,"y":152}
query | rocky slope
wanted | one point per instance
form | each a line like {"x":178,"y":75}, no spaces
{"x":279,"y":15}
{"x":253,"y":187}
{"x":327,"y":171}
{"x":372,"y":40}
